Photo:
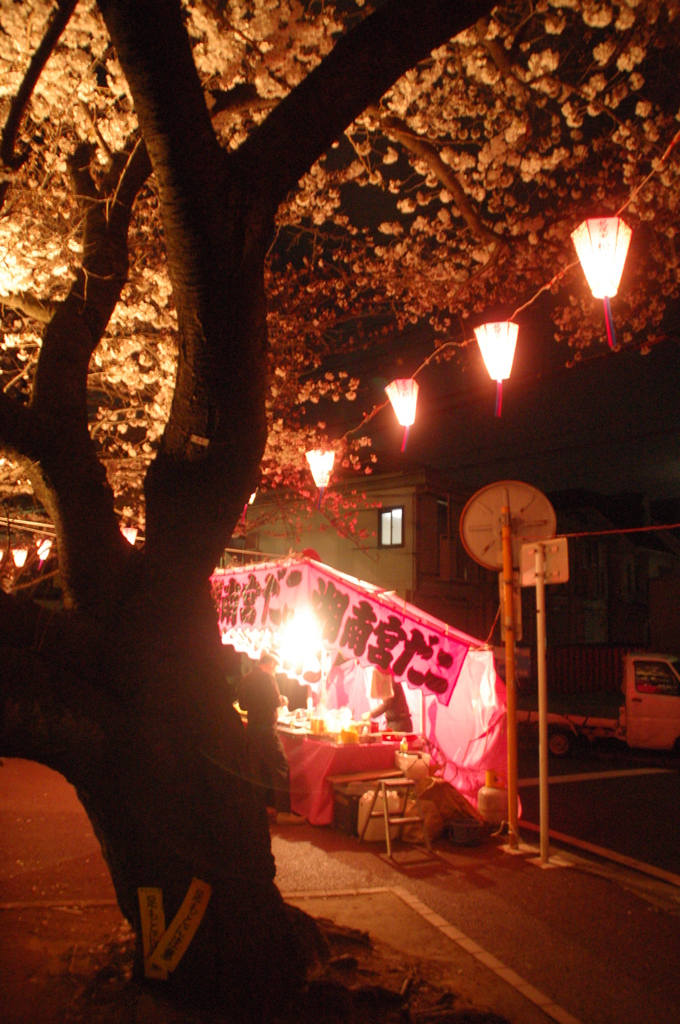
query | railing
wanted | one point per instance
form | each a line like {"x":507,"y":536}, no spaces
{"x":242,"y":556}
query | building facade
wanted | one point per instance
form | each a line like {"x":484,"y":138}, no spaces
{"x":397,"y":531}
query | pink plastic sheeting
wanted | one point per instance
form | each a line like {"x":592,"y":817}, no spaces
{"x":348,"y":687}
{"x":312,"y":761}
{"x":358,"y":620}
{"x":471,"y":731}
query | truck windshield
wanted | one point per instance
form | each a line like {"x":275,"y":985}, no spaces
{"x":657,"y":677}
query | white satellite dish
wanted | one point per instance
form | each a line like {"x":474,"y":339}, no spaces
{"x":532,"y":517}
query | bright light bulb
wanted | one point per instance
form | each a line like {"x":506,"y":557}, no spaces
{"x":301,"y":641}
{"x":130,"y":533}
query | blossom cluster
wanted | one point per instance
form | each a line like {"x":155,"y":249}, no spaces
{"x":458,"y":191}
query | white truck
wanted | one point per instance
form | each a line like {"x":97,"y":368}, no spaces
{"x":648,"y":718}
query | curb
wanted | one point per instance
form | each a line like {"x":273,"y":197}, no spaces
{"x":510,"y":977}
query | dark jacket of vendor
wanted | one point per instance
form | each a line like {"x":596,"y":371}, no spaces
{"x":395,"y":709}
{"x":259,"y":695}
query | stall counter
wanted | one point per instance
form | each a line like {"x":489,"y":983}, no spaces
{"x":312,"y":759}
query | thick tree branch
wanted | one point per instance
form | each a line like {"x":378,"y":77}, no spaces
{"x":18,"y":429}
{"x":79,"y":322}
{"x":209,"y":456}
{"x":52,"y":716}
{"x":70,"y":481}
{"x":499,"y":57}
{"x":38,"y":309}
{"x":243,"y":97}
{"x":363,"y":65}
{"x":59,"y":19}
{"x":217,"y":215}
{"x":424,"y":150}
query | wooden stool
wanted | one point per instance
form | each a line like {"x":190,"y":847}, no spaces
{"x":407,"y":788}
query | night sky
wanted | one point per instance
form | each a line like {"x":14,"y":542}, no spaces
{"x":611,"y":424}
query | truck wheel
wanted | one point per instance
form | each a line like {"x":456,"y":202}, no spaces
{"x":560,"y":743}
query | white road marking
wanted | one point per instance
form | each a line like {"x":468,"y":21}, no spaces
{"x":590,"y":776}
{"x":601,"y":851}
{"x":510,"y":977}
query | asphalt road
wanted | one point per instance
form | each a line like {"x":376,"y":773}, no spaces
{"x":603,"y":794}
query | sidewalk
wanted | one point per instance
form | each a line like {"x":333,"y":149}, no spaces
{"x":583,"y":944}
{"x":401,"y":921}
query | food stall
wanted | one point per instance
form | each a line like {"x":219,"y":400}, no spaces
{"x":332,"y":631}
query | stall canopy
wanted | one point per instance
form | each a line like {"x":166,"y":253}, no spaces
{"x":297,"y":603}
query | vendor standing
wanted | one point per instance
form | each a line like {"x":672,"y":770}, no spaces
{"x":395,"y":709}
{"x":259,"y":695}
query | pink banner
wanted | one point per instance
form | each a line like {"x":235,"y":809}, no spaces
{"x":357,"y":619}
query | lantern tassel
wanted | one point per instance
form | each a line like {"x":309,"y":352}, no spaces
{"x":243,"y":517}
{"x":609,"y":323}
{"x":320,"y":498}
{"x":403,"y":443}
{"x":499,"y":397}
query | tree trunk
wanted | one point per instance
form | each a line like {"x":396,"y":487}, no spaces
{"x":162,"y":776}
{"x":125,"y":693}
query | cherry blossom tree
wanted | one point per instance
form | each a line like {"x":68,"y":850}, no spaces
{"x":202,"y":202}
{"x":123,"y":691}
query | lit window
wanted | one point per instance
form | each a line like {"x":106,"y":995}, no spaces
{"x":391,"y":530}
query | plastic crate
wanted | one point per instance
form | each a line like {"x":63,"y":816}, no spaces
{"x":466,"y":832}
{"x":346,"y":797}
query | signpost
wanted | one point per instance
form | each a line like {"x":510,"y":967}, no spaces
{"x":493,"y":525}
{"x":543,"y":562}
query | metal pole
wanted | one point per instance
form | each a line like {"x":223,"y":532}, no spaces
{"x":510,"y":683}
{"x":542,"y":702}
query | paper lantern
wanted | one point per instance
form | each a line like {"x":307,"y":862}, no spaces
{"x":497,"y":343}
{"x":601,"y":245}
{"x":44,"y":548}
{"x":19,"y":555}
{"x":250,"y":500}
{"x":403,"y":394}
{"x":130,"y":533}
{"x":321,"y":465}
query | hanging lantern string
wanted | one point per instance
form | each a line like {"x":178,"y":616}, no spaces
{"x":520,"y":309}
{"x":655,"y":170}
{"x":499,"y":397}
